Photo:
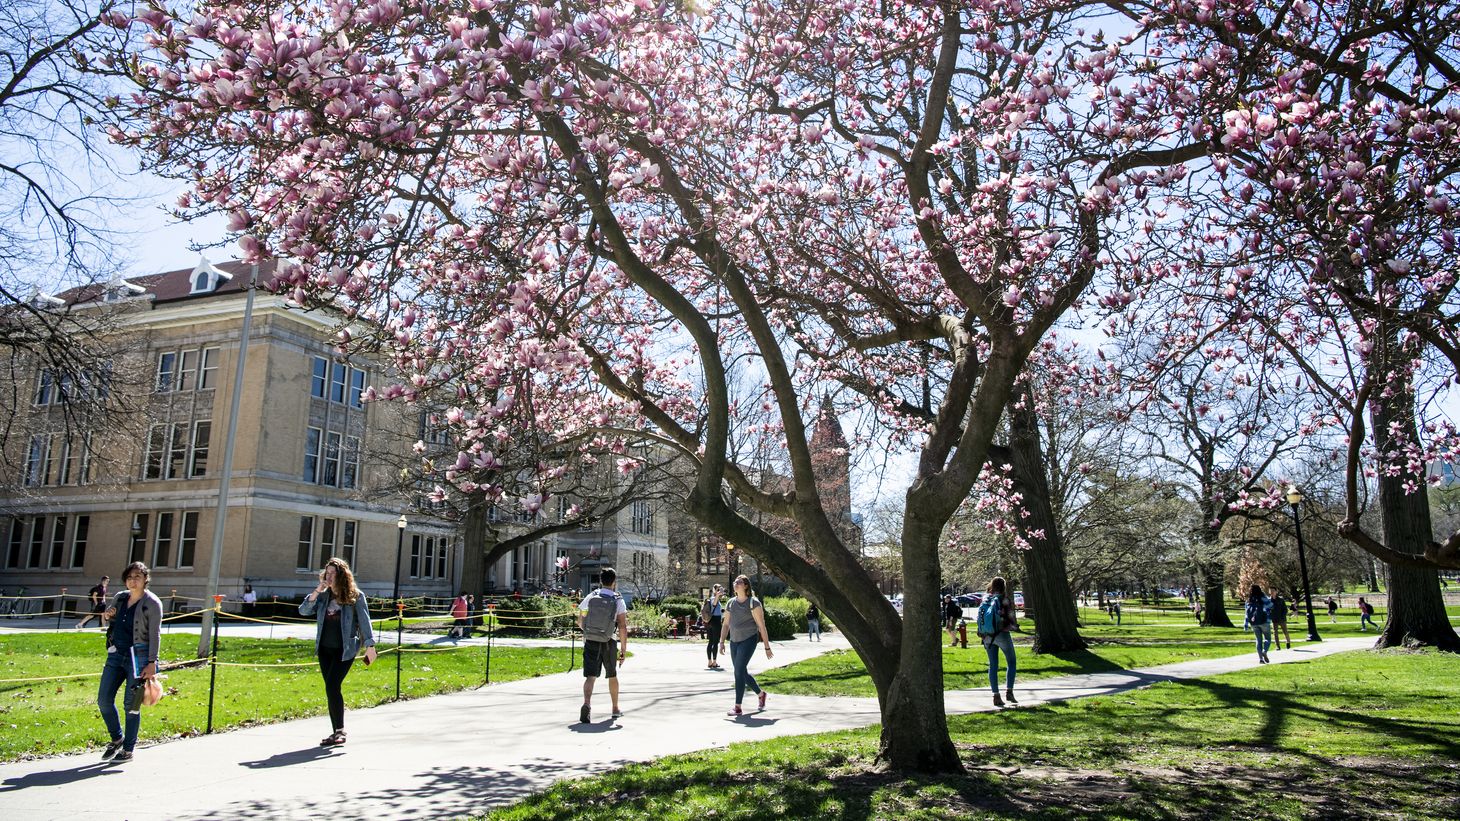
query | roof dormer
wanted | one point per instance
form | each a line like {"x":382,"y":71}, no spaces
{"x":119,"y":289}
{"x":205,"y":278}
{"x":42,"y":301}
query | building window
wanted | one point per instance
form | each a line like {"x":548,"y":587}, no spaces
{"x":712,"y":557}
{"x":36,"y":460}
{"x":208,"y":373}
{"x":347,"y":541}
{"x":350,"y":470}
{"x":37,"y":541}
{"x":304,"y":560}
{"x":327,"y":529}
{"x":198,"y":465}
{"x":643,"y":518}
{"x":139,"y":539}
{"x":415,"y":555}
{"x":78,"y":541}
{"x":68,"y":464}
{"x":58,"y":542}
{"x":186,"y":370}
{"x":44,"y":381}
{"x":84,"y":474}
{"x":166,"y":371}
{"x":177,"y":452}
{"x":312,"y":439}
{"x":442,"y":551}
{"x":357,"y":388}
{"x":338,"y":370}
{"x":320,"y":377}
{"x":331,"y":475}
{"x":162,"y":541}
{"x":17,"y":542}
{"x":428,"y":557}
{"x":156,"y":447}
{"x":187,"y":546}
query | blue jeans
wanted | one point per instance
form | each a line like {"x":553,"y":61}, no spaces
{"x":740,"y":653}
{"x":813,"y":628}
{"x":121,"y":668}
{"x":1262,"y":633}
{"x":1003,"y":641}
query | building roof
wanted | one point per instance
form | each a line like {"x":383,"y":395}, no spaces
{"x":173,"y":286}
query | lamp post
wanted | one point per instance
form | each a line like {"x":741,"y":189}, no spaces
{"x":730,"y":566}
{"x":1295,"y":498}
{"x":400,"y":542}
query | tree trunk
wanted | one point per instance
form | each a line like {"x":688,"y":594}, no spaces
{"x":914,"y":724}
{"x":1416,"y":609}
{"x":1046,"y":581}
{"x":474,"y":548}
{"x":1373,"y":575}
{"x":1214,"y":604}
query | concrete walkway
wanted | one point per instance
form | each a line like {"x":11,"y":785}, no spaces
{"x":457,"y":754}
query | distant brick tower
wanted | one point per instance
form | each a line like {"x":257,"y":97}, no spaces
{"x":831,"y":464}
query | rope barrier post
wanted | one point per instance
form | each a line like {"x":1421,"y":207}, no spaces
{"x":400,"y":612}
{"x":572,"y":643}
{"x":61,"y":608}
{"x":273,"y":614}
{"x":491,"y":616}
{"x":213,"y":662}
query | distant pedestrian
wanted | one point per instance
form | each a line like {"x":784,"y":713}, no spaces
{"x":1115,"y":606}
{"x":342,"y":630}
{"x":1366,"y":615}
{"x":250,"y":601}
{"x":460,"y":609}
{"x":601,"y":615}
{"x":132,"y":643}
{"x":1196,"y":611}
{"x":97,"y":597}
{"x":1259,"y":618}
{"x":1280,"y":620}
{"x":996,"y":618}
{"x":746,"y":623}
{"x":712,"y":612}
{"x":813,"y":622}
{"x":951,"y":614}
{"x":1332,"y":611}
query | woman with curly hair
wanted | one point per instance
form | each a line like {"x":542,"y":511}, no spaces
{"x":342,"y":630}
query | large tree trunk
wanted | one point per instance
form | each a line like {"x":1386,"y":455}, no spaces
{"x":914,"y":723}
{"x":1416,"y":609}
{"x":474,"y":549}
{"x":1214,"y":602}
{"x":1046,"y":581}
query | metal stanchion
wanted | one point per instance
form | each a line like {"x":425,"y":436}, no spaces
{"x":491,"y":615}
{"x":61,"y":608}
{"x":213,"y":662}
{"x":572,"y":647}
{"x":400,"y":614}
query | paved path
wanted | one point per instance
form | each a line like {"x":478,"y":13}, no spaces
{"x":456,"y":754}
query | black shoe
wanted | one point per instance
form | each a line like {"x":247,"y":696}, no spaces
{"x":124,"y":755}
{"x":111,"y":750}
{"x":583,"y":715}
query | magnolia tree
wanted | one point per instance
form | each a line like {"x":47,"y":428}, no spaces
{"x":1333,"y":201}
{"x":900,"y":198}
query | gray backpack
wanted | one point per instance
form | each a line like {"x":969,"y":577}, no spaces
{"x":602,"y":616}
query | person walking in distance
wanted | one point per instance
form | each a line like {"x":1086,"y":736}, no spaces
{"x":813,"y":622}
{"x":1259,"y":618}
{"x":460,"y":623}
{"x":746,"y":625}
{"x":1280,"y":621}
{"x":97,"y":597}
{"x":600,"y":615}
{"x":1332,"y":611}
{"x":250,"y":601}
{"x":133,"y":639}
{"x":712,"y":613}
{"x":342,"y":629}
{"x":951,"y":614}
{"x":996,"y":620}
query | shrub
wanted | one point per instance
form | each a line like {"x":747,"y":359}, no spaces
{"x":539,"y":615}
{"x":682,"y":598}
{"x":780,"y":623}
{"x":797,"y":608}
{"x":679,"y":609}
{"x":650,"y":620}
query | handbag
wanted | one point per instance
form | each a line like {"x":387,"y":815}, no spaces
{"x":151,"y":691}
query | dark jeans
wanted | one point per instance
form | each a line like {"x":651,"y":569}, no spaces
{"x":122,"y":669}
{"x":740,"y":653}
{"x":334,"y":671}
{"x":712,"y":632}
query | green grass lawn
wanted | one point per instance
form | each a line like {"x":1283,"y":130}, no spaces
{"x":51,"y":717}
{"x":1355,"y":735}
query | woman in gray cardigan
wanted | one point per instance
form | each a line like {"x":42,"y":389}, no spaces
{"x":342,"y":622}
{"x":132,"y":643}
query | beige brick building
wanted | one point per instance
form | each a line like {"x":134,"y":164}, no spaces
{"x":304,"y":485}
{"x":313,"y":470}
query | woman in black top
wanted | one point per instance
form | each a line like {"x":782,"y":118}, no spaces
{"x":342,"y":629}
{"x":712,"y":614}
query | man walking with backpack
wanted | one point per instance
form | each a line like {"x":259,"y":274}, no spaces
{"x":599,"y":614}
{"x":1259,"y":617}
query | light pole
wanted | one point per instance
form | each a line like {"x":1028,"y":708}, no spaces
{"x":1295,"y":498}
{"x":400,"y":542}
{"x":730,"y":566}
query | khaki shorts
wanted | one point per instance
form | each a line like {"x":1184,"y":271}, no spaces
{"x":600,"y":656}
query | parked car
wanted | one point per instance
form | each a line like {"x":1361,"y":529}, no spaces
{"x":968,"y":600}
{"x":1018,"y":600}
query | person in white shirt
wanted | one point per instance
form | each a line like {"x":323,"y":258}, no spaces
{"x":600,"y":615}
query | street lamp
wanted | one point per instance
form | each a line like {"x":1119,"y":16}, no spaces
{"x":1295,"y":498}
{"x":730,"y":565}
{"x":400,"y":542}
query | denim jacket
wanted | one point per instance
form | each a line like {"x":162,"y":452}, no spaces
{"x":354,"y":622}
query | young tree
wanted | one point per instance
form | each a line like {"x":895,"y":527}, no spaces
{"x":825,"y":190}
